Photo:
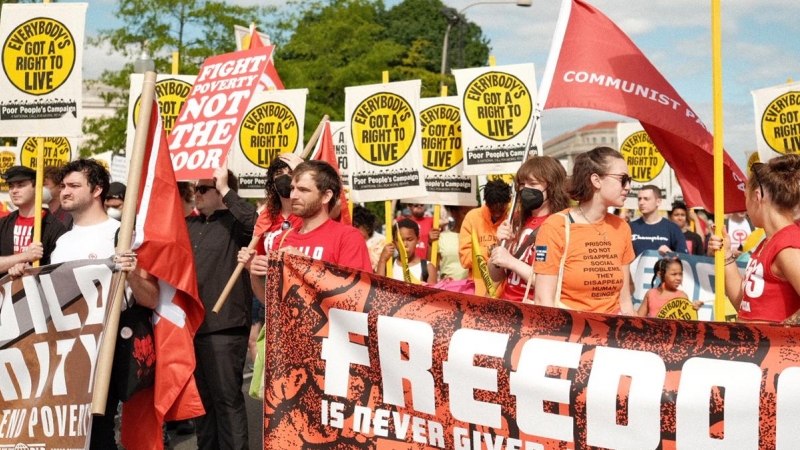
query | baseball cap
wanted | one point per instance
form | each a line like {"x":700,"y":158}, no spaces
{"x":18,"y":173}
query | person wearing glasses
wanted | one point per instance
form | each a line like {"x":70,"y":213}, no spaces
{"x":225,"y":225}
{"x":588,"y":268}
{"x":770,"y":288}
{"x":653,"y":232}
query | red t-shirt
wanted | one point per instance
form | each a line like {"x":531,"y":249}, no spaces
{"x":425,"y":225}
{"x":23,"y":233}
{"x":515,"y":289}
{"x":765,"y":296}
{"x":331,"y":242}
{"x":276,"y":228}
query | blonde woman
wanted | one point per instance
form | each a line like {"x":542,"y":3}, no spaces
{"x":593,"y":246}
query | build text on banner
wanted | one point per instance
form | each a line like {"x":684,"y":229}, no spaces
{"x":51,"y":326}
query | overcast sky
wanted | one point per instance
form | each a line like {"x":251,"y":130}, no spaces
{"x":760,"y":49}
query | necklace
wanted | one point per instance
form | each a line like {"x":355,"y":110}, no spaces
{"x":599,"y":231}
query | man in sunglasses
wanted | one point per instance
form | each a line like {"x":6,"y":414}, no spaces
{"x":653,"y":232}
{"x":225,"y":225}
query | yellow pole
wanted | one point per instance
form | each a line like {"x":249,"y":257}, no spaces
{"x":437,"y":209}
{"x":719,"y":190}
{"x":176,"y":63}
{"x":388,"y":209}
{"x":37,"y":205}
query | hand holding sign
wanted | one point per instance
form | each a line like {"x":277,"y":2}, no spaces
{"x":221,"y":178}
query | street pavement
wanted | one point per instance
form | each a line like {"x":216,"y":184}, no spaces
{"x":255,"y":423}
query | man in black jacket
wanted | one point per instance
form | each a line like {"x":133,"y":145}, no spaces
{"x":224,"y":226}
{"x":16,"y":229}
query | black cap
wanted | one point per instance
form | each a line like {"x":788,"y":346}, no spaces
{"x":19,"y":173}
{"x":116,"y":190}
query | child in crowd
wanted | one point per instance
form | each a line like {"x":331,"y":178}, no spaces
{"x":421,"y":269}
{"x":670,"y":272}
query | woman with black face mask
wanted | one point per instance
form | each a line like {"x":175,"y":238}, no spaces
{"x":539,"y":183}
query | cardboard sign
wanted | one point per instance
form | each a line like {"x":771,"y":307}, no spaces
{"x":42,"y":81}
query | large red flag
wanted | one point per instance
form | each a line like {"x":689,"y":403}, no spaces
{"x":270,"y":80}
{"x":593,"y":64}
{"x":164,"y":250}
{"x":325,"y":152}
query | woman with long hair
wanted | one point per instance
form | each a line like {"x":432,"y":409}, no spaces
{"x":583,"y":253}
{"x":770,"y":288}
{"x":539,"y":185}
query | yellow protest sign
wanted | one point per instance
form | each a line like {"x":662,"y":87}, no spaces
{"x":642,"y":156}
{"x":383,"y":128}
{"x":497,"y":105}
{"x":171,"y":94}
{"x":39,"y":56}
{"x":753,"y":159}
{"x":508,"y":178}
{"x":7,"y":159}
{"x":441,"y":137}
{"x":268,"y":130}
{"x":679,"y":309}
{"x":780,"y":123}
{"x":57,"y":152}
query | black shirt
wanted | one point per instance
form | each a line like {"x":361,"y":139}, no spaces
{"x":216,"y":241}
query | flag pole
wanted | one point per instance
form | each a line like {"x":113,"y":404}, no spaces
{"x":719,"y":188}
{"x":106,"y":356}
{"x":437,"y":209}
{"x":37,"y":203}
{"x":237,"y":272}
{"x":388,"y":206}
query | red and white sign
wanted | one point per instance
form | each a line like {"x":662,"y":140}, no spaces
{"x":206,"y":127}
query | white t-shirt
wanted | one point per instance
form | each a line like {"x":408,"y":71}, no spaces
{"x":91,"y":242}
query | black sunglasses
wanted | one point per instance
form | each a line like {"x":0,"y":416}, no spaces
{"x":624,"y":178}
{"x":204,"y":189}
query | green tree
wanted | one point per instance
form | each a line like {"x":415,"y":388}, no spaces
{"x":196,"y":29}
{"x":420,"y":25}
{"x":330,"y":48}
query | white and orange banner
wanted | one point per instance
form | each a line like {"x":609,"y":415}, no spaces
{"x":371,"y":362}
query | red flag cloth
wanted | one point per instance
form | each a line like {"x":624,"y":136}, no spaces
{"x":325,"y":152}
{"x":269,"y":80}
{"x":593,"y":64}
{"x":164,"y":250}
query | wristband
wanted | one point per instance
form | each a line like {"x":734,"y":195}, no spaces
{"x":730,"y":260}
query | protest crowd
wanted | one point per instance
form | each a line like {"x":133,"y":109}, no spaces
{"x":202,"y":257}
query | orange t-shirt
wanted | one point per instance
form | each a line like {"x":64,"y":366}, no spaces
{"x":593,"y":273}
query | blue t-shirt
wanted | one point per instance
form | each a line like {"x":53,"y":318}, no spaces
{"x":651,"y":237}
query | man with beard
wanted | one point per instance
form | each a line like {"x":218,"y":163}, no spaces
{"x":16,"y":229}
{"x":314,"y":190}
{"x":225,"y":224}
{"x":84,"y":186}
